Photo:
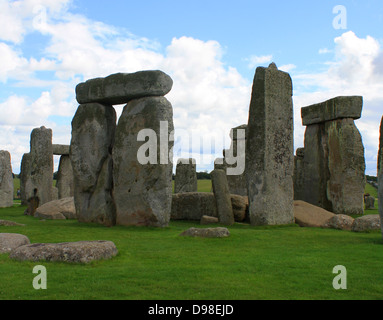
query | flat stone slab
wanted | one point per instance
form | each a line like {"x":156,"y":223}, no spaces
{"x":366,"y":223}
{"x":7,"y":223}
{"x":60,"y":149}
{"x":207,"y":232}
{"x":57,"y":210}
{"x":120,"y":88}
{"x":335,"y":108}
{"x":11,"y":241}
{"x":75,"y":252}
{"x":209,"y":220}
{"x":339,"y":222}
{"x":308,"y":215}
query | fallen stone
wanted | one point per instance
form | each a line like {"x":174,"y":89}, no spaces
{"x":57,"y":210}
{"x":308,"y":215}
{"x":340,"y":222}
{"x":6,"y":223}
{"x":11,"y":241}
{"x":333,"y":109}
{"x":208,"y":220}
{"x":121,"y":88}
{"x":207,"y":232}
{"x":75,"y":252}
{"x":366,"y":223}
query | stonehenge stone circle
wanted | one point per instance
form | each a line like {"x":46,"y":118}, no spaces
{"x":120,"y":88}
{"x":6,"y":180}
{"x":222,"y":197}
{"x":143,"y":191}
{"x":64,"y":183}
{"x":331,"y":174}
{"x":186,"y":176}
{"x":380,"y":175}
{"x":269,"y":148}
{"x":93,"y":128}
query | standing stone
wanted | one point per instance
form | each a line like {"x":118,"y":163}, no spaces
{"x":369,"y":202}
{"x":298,"y":173}
{"x":380,"y":175}
{"x":6,"y":180}
{"x":65,"y":178}
{"x":186,"y":176}
{"x":40,"y":188}
{"x":222,"y":197}
{"x":142,"y":171}
{"x":270,"y":149}
{"x":93,"y":128}
{"x":25,"y":170}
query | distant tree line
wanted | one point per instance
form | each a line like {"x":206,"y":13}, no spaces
{"x":371,"y":178}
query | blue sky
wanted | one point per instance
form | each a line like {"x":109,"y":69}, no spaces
{"x":210,"y":48}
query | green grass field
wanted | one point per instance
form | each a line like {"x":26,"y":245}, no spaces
{"x":281,"y":262}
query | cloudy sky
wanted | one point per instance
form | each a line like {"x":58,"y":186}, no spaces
{"x":210,"y":48}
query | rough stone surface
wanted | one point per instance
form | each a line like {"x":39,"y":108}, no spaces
{"x":308,"y":215}
{"x":222,"y":197}
{"x":75,"y":252}
{"x":346,"y":164}
{"x":142,"y":171}
{"x":25,"y":170}
{"x":366,"y":223}
{"x":6,"y":180}
{"x":120,"y":88}
{"x":298,"y":177}
{"x":11,"y":241}
{"x":333,"y":109}
{"x":64,"y":183}
{"x":369,"y":202}
{"x":60,"y":149}
{"x":194,"y":205}
{"x":269,"y":148}
{"x":93,"y":129}
{"x":7,"y":223}
{"x":39,"y":187}
{"x":57,"y":210}
{"x":207,"y":232}
{"x":186,"y":176}
{"x":208,"y":220}
{"x":380,"y":175}
{"x":340,"y":222}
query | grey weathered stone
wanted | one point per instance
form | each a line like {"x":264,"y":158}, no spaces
{"x":346,"y":165}
{"x":298,"y":176}
{"x":93,"y":129}
{"x":380,"y":174}
{"x":40,"y":185}
{"x":7,"y":223}
{"x":6,"y":180}
{"x":186,"y":176}
{"x":60,"y":149}
{"x":57,"y":210}
{"x":64,"y":183}
{"x":120,"y":88}
{"x":73,"y":252}
{"x":333,"y":109}
{"x":366,"y":223}
{"x":25,"y":176}
{"x":207,"y":232}
{"x":209,"y":220}
{"x":11,"y":241}
{"x":369,"y":202}
{"x":340,"y":222}
{"x":143,"y":184}
{"x":269,"y":148}
{"x":222,"y":197}
{"x":240,"y":205}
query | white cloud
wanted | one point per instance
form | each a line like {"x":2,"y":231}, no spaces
{"x":255,"y":61}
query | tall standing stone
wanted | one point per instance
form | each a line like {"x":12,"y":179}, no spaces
{"x":25,"y":176}
{"x":142,"y":171}
{"x":6,"y":180}
{"x":93,"y":128}
{"x":222,"y":197}
{"x":269,"y":148}
{"x":380,"y":175}
{"x":41,"y":174}
{"x":65,"y":184}
{"x":186,"y":176}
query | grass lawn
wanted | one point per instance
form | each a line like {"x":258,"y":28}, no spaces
{"x":283,"y":262}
